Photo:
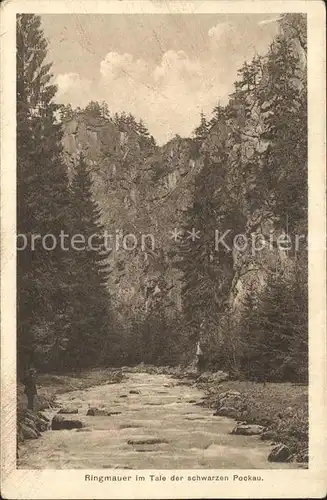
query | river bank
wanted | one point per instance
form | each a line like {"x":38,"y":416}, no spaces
{"x":281,"y":408}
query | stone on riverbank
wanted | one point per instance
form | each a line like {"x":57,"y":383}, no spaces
{"x":28,"y":432}
{"x":59,"y":423}
{"x":280,"y":453}
{"x":216,"y":377}
{"x":42,"y":416}
{"x":226,"y":411}
{"x":33,"y":420}
{"x":247,"y":429}
{"x":269,"y":436}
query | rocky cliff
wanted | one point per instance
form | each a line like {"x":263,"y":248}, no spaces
{"x":143,"y":190}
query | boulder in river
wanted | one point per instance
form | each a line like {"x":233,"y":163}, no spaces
{"x":98,"y":412}
{"x":280,"y":453}
{"x":68,"y":410}
{"x":59,"y":422}
{"x":146,"y":440}
{"x":247,"y":429}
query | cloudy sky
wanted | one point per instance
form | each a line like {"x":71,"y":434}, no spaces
{"x":164,"y":69}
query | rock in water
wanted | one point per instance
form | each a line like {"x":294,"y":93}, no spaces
{"x":146,"y":440}
{"x":247,"y":429}
{"x":59,"y":422}
{"x":98,"y":412}
{"x":68,"y":410}
{"x":280,"y":453}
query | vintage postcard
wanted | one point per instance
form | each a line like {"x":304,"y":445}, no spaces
{"x":163,"y":226}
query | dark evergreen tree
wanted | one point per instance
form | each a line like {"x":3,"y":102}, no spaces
{"x":275,"y":332}
{"x":91,"y":326}
{"x":205,"y":270}
{"x":200,"y":133}
{"x":42,"y":193}
{"x":285,"y":172}
{"x":94,"y":109}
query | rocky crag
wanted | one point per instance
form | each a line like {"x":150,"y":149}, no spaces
{"x":142,"y":191}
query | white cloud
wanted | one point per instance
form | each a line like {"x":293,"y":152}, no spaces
{"x":117,"y":65}
{"x":216,"y":32}
{"x":73,"y":89}
{"x":268,"y":21}
{"x":176,"y":64}
{"x":168,"y":95}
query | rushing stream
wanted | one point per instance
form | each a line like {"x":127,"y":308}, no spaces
{"x":161,"y":427}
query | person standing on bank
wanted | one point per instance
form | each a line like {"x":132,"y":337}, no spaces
{"x":200,"y":363}
{"x":30,"y":388}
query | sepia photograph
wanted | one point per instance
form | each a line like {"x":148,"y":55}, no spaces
{"x":162,"y":247}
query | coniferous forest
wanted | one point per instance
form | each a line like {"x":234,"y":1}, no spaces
{"x":243,"y":172}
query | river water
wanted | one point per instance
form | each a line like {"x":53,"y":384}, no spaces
{"x":162,"y":427}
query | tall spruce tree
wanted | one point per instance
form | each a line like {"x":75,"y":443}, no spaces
{"x":205,"y":270}
{"x":42,"y":194}
{"x":91,"y":328}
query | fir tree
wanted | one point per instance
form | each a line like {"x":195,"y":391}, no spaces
{"x":205,"y":270}
{"x":91,"y":320}
{"x":200,"y":133}
{"x":42,"y":191}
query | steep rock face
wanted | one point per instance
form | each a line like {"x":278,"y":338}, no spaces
{"x":260,"y":251}
{"x":142,"y":191}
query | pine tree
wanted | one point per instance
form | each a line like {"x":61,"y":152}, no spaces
{"x":274,"y":332}
{"x":94,"y":109}
{"x":205,"y":270}
{"x":90,"y":331}
{"x":285,"y":172}
{"x":42,"y":191}
{"x":200,"y":133}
